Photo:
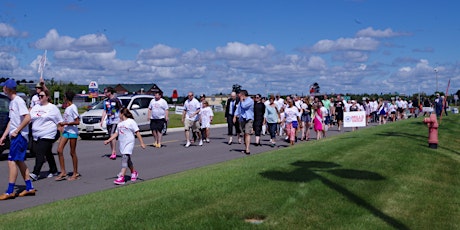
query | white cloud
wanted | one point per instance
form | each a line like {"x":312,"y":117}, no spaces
{"x":347,"y":44}
{"x":52,"y":41}
{"x":8,"y":31}
{"x":8,"y":63}
{"x":158,"y":52}
{"x":387,"y":33}
{"x":236,"y":50}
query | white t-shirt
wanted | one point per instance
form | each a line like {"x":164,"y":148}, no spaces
{"x":126,"y":130}
{"x":205,"y":115}
{"x":34,"y":101}
{"x":324,"y":112}
{"x":291,"y":114}
{"x":190,"y":107}
{"x":44,"y":120}
{"x":18,"y":109}
{"x":70,"y":115}
{"x":158,"y":108}
{"x":279,"y":103}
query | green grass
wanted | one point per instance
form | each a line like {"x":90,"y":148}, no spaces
{"x":379,"y":178}
{"x":175,"y":119}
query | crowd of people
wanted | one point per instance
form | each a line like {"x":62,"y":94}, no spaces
{"x":292,"y":118}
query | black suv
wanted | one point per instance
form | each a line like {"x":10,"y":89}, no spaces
{"x":4,"y":119}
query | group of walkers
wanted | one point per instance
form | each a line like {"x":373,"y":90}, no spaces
{"x":46,"y":124}
{"x":245,"y":115}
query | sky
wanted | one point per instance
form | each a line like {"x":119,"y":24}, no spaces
{"x":207,"y":46}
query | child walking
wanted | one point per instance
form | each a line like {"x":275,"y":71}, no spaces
{"x":206,"y":116}
{"x":125,"y":132}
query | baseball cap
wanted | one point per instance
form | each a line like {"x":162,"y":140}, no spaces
{"x":38,"y":85}
{"x":202,"y":95}
{"x":10,"y":84}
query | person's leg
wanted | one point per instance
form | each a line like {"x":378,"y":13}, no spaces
{"x":60,"y":152}
{"x":208,"y":132}
{"x":39,"y":151}
{"x":48,"y":144}
{"x":73,"y":154}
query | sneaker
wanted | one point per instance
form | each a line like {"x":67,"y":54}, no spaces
{"x":120,"y":180}
{"x":188,"y":144}
{"x":207,"y":140}
{"x":52,"y":175}
{"x":33,"y":176}
{"x":201,"y":143}
{"x":27,"y":193}
{"x":113,"y":156}
{"x":7,"y":196}
{"x":134,"y":176}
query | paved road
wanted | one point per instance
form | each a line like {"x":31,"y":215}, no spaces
{"x":98,"y":171}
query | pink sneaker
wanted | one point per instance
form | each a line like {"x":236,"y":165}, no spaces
{"x":134,"y":176}
{"x":113,"y":156}
{"x":120,"y":180}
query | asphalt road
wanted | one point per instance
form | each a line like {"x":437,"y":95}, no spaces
{"x":98,"y":171}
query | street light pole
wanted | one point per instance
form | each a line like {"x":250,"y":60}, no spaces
{"x":436,"y":71}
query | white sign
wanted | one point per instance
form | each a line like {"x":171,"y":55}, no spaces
{"x":179,"y":109}
{"x":354,"y":119}
{"x":93,"y":85}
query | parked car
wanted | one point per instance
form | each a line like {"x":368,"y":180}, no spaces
{"x":90,"y":121}
{"x":4,"y":119}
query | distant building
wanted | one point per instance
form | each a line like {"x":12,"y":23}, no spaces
{"x":122,"y":89}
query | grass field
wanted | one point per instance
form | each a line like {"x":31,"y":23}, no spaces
{"x":378,"y":178}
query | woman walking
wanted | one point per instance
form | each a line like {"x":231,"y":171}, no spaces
{"x":45,"y":117}
{"x":305,"y":118}
{"x":292,"y":120}
{"x":69,"y":134}
{"x":271,"y":118}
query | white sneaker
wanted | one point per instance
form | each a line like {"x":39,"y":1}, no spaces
{"x":33,"y":176}
{"x":201,"y":143}
{"x":52,"y":175}
{"x":188,"y":144}
{"x":207,"y":140}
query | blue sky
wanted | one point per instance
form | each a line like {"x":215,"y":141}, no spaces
{"x":265,"y":46}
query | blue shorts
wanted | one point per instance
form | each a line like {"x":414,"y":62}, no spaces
{"x":18,"y":148}
{"x":70,"y":135}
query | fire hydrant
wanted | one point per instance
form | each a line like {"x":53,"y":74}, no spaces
{"x":432,"y":123}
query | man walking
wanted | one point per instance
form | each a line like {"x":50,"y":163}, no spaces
{"x":112,"y":107}
{"x":158,"y":115}
{"x":18,"y":131}
{"x":245,"y":112}
{"x":190,"y":118}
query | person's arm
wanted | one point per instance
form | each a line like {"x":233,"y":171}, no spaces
{"x":104,"y":114}
{"x":114,"y":135}
{"x":23,"y":124}
{"x":138,"y":135}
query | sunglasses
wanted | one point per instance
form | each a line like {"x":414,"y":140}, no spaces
{"x":41,"y":95}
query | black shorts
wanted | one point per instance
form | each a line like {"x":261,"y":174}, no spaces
{"x":157,"y":124}
{"x":339,"y":116}
{"x":111,"y":129}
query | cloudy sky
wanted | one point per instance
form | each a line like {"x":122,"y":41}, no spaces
{"x":266,"y":46}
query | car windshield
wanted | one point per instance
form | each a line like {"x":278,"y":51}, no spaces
{"x":99,"y":105}
{"x":125,"y":102}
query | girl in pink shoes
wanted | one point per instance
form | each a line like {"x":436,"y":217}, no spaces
{"x":125,"y":132}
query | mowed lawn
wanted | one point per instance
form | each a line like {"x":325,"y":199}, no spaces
{"x":378,"y":178}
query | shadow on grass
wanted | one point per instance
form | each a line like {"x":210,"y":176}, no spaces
{"x":402,"y":134}
{"x":309,"y":170}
